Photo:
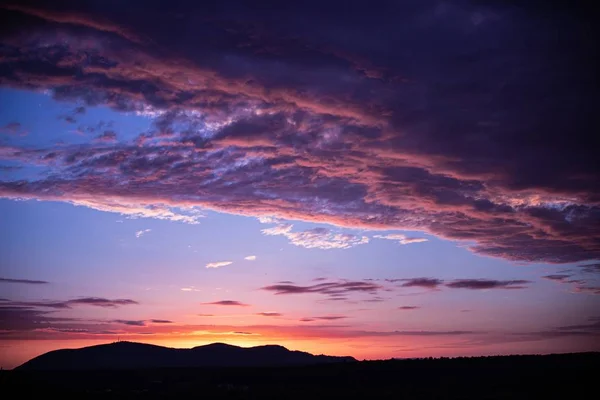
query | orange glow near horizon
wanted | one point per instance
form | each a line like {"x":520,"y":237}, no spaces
{"x":16,"y":352}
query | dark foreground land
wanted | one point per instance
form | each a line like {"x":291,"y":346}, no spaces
{"x":569,"y":376}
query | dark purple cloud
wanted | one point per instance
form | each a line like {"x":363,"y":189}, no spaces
{"x":106,"y":137}
{"x":408,"y":308}
{"x":161,"y":321}
{"x":329,"y":317}
{"x":557,"y":277}
{"x":427,"y":283}
{"x":16,"y":317}
{"x":477,"y":129}
{"x":228,"y":303}
{"x":89,"y":301}
{"x":479,"y":284}
{"x":26,"y":281}
{"x":593,"y":325}
{"x":101,"y":302}
{"x":270,"y":314}
{"x":587,"y":289}
{"x":591,"y":268}
{"x":129,"y":322}
{"x":337,"y":290}
{"x":577,"y":284}
{"x":13,"y":128}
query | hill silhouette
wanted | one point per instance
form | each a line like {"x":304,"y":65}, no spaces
{"x":131,"y":355}
{"x":559,"y":376}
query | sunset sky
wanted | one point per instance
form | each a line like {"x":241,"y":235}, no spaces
{"x":416,"y":178}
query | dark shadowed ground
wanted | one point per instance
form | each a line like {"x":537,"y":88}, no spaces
{"x":566,"y":376}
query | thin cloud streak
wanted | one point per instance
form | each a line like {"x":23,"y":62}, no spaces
{"x":141,"y":233}
{"x":401,"y":239}
{"x":228,"y":303}
{"x":218,"y":264}
{"x":24,"y":281}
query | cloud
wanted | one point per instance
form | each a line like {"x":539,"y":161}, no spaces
{"x":227,"y":303}
{"x":189,"y":289}
{"x":141,"y":322}
{"x":129,"y":322}
{"x":13,"y":129}
{"x":270,"y":314}
{"x":557,"y":277}
{"x":587,"y":289}
{"x":333,"y":290}
{"x":479,"y":284}
{"x":402,"y":239}
{"x":267,"y":220}
{"x":106,"y":137}
{"x":317,"y":238}
{"x":591,"y":268}
{"x":474,"y":284}
{"x":25,"y":281}
{"x":408,"y":308}
{"x":218,"y":264}
{"x":86,"y":301}
{"x":250,"y":258}
{"x":101,"y":302}
{"x":329,"y":317}
{"x":14,"y":316}
{"x":141,"y":233}
{"x":593,"y":325}
{"x":324,"y":125}
{"x":427,"y":283}
{"x":79,"y":110}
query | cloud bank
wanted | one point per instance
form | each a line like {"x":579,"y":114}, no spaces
{"x":463,"y":132}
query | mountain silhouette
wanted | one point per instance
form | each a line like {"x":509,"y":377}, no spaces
{"x":131,"y":355}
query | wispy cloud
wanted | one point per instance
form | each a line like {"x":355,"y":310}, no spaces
{"x":84,"y":301}
{"x":334,"y":290}
{"x":402,"y":239}
{"x":270,"y":314}
{"x":557,"y":277}
{"x":129,"y":322}
{"x":13,"y":128}
{"x":218,"y":264}
{"x":590,"y":268}
{"x":324,"y":318}
{"x":481,"y":284}
{"x":141,"y":233}
{"x":250,"y":258}
{"x":472,"y":284}
{"x":25,"y":281}
{"x":426,"y":283}
{"x":189,"y":289}
{"x":587,"y":289}
{"x":106,"y":137}
{"x":102,"y":302}
{"x":227,"y":303}
{"x":317,"y":238}
{"x":408,"y":308}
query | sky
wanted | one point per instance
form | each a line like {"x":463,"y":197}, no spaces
{"x":390,"y":180}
